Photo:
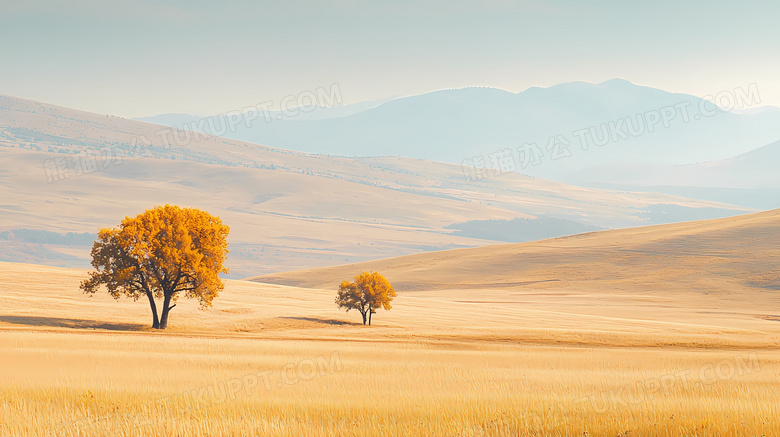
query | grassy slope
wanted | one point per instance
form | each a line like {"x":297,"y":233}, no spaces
{"x":713,"y":255}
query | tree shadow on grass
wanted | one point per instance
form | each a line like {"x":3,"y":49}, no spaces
{"x":58,"y":322}
{"x":320,"y":320}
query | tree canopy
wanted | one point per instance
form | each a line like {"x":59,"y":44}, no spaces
{"x":161,"y":253}
{"x":369,"y":292}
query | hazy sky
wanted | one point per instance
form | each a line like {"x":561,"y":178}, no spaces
{"x":137,"y":58}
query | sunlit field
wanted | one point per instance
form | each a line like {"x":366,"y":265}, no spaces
{"x":70,"y":384}
{"x":593,"y":354}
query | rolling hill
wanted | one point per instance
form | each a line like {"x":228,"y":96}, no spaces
{"x":729,"y":257}
{"x":288,"y":210}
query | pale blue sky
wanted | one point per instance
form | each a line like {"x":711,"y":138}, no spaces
{"x":143,"y":58}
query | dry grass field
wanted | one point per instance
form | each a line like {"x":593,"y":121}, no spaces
{"x":167,"y":385}
{"x":671,"y":330}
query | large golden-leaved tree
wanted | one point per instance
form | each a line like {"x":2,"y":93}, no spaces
{"x":162,"y":253}
{"x":367,"y":293}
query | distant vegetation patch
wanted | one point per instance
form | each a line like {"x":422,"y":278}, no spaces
{"x":49,"y":237}
{"x":521,"y":230}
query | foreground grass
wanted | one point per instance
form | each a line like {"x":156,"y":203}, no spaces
{"x":67,"y":384}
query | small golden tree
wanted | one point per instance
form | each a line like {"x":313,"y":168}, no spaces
{"x":369,"y":292}
{"x":161,"y":253}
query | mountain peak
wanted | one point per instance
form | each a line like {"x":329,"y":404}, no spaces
{"x":617,"y":82}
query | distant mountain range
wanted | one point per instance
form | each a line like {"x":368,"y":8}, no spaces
{"x":750,"y":179}
{"x":613,"y":132}
{"x":754,"y":169}
{"x":315,"y":112}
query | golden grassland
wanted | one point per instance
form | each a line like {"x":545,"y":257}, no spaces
{"x":274,"y":360}
{"x":164,"y":385}
{"x":657,"y":331}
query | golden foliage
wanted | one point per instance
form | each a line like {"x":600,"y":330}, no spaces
{"x":370,"y":291}
{"x":160,"y":253}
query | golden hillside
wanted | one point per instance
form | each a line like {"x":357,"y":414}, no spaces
{"x":711,"y":256}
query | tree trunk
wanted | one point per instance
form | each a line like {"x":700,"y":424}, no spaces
{"x":364,"y":317}
{"x":369,"y":317}
{"x":155,"y":319}
{"x":166,"y":309}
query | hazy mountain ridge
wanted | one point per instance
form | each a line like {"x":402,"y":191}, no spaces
{"x":315,"y":112}
{"x":457,"y":124}
{"x":754,"y":169}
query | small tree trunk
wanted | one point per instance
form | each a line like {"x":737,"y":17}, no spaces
{"x":155,"y":319}
{"x":166,"y":309}
{"x":363,"y":313}
{"x":370,"y":312}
